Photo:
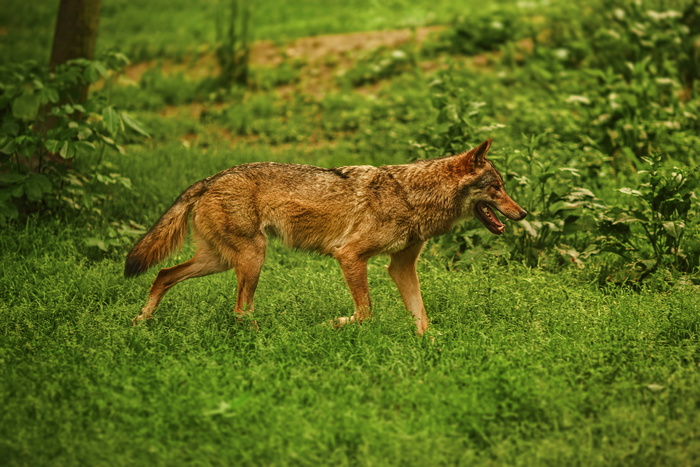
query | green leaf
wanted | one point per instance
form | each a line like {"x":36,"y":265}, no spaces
{"x":49,"y":95}
{"x":94,"y":71}
{"x":558,"y":206}
{"x":26,"y":106}
{"x":545,"y":176}
{"x":125,"y":182}
{"x":578,"y":99}
{"x":674,"y":229}
{"x":96,"y":242}
{"x":9,"y":147}
{"x":529,"y":228}
{"x":84,"y":132}
{"x":52,"y":145}
{"x":12,"y":178}
{"x":33,"y":193}
{"x":624,"y":218}
{"x":36,"y":186}
{"x":67,"y":150}
{"x":9,"y":127}
{"x":630,"y":191}
{"x":17,"y":191}
{"x":42,"y":182}
{"x":134,"y":124}
{"x":8,"y":210}
{"x":84,"y":147}
{"x":580,"y":192}
{"x":112,"y":120}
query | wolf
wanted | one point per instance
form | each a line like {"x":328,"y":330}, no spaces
{"x":350,"y":213}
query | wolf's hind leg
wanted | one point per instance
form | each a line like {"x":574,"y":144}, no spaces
{"x":205,"y":261}
{"x":402,"y":270}
{"x":355,"y":272}
{"x":247,"y":261}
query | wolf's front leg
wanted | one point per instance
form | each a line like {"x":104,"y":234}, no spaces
{"x":355,"y":273}
{"x":402,"y":270}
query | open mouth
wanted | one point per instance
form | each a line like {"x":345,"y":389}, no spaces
{"x":485,"y":214}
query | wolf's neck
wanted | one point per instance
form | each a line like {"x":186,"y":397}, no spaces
{"x":433,"y":196}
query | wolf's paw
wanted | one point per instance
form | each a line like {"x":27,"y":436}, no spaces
{"x":141,"y":317}
{"x":247,"y":318}
{"x":342,"y":321}
{"x":252,"y":324}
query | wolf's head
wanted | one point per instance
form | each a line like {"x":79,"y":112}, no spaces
{"x":483,"y":190}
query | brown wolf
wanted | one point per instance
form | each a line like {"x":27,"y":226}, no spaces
{"x":350,"y":213}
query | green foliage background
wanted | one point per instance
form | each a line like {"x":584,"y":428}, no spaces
{"x":571,"y":339}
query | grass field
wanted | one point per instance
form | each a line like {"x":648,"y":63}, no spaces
{"x":181,"y":28}
{"x":550,"y":345}
{"x":522,"y":367}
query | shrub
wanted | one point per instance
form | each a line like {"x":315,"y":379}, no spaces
{"x":43,"y":132}
{"x":649,"y":228}
{"x":379,"y":64}
{"x":643,"y":57}
{"x":482,"y":30}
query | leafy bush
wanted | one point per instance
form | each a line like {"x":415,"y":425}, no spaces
{"x":460,"y":121}
{"x":635,"y":115}
{"x":43,"y":132}
{"x":643,"y":57}
{"x":483,"y":30}
{"x":609,"y":34}
{"x":378,"y":64}
{"x":649,"y":227}
{"x":586,"y":144}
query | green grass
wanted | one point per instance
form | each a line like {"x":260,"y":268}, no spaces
{"x":184,"y":27}
{"x":521,"y":367}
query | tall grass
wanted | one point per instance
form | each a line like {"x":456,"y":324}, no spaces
{"x":521,"y":367}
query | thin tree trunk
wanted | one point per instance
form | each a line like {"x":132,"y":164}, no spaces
{"x":75,"y":36}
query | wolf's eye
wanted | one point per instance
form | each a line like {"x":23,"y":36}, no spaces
{"x":496,"y":187}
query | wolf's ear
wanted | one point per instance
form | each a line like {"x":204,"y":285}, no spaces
{"x":478,"y":154}
{"x":468,"y":161}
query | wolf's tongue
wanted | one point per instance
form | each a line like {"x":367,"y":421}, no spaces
{"x":487,"y":217}
{"x":491,"y":216}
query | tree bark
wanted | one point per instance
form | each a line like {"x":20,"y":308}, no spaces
{"x":75,"y":36}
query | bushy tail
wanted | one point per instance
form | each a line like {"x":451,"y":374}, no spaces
{"x":167,"y":235}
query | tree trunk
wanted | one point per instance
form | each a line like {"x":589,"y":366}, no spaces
{"x":75,"y":36}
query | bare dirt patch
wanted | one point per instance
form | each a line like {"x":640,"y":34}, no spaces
{"x":322,"y":60}
{"x":318,"y":48}
{"x":324,"y":57}
{"x":329,"y":51}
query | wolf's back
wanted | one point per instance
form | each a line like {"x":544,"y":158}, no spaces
{"x":168,"y":233}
